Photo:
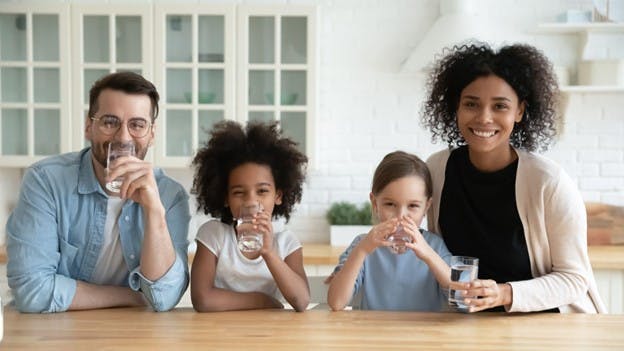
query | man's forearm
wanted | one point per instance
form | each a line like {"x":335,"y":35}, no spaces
{"x":157,"y":253}
{"x":92,"y":296}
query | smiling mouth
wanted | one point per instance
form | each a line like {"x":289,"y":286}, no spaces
{"x":484,"y":133}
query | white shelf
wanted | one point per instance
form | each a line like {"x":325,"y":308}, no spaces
{"x":562,"y":28}
{"x":591,"y":89}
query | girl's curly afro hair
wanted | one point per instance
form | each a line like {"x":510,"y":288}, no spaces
{"x":523,"y":67}
{"x":230,"y":146}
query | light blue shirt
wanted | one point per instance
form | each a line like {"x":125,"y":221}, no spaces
{"x":55,"y":235}
{"x":388,"y":281}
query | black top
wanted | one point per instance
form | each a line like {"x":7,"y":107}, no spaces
{"x":479,"y":218}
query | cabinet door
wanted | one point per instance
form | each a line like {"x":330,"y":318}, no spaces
{"x":277,"y":69}
{"x":195,"y":68}
{"x":107,"y":39}
{"x":34,"y":77}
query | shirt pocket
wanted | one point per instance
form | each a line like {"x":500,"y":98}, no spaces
{"x":68,"y":256}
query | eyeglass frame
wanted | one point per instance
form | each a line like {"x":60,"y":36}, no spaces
{"x":149,"y":123}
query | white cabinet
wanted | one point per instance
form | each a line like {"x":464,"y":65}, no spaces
{"x":106,"y":39}
{"x":209,"y":63}
{"x":277,"y":69}
{"x":195,"y":62}
{"x":34,"y":83}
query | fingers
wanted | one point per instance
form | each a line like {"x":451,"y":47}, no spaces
{"x":480,"y":294}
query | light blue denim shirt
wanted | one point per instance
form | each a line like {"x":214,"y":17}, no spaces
{"x":55,"y":235}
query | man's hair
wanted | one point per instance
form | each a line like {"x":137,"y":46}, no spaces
{"x":129,"y":83}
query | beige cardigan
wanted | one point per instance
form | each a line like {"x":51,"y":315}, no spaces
{"x":555,"y":226}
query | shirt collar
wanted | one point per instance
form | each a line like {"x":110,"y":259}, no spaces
{"x":87,"y":181}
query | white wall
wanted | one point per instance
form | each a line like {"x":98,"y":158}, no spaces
{"x":368,"y":108}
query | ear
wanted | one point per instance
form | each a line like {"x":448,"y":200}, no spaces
{"x":521,"y":109}
{"x":87,"y":128}
{"x":278,"y":197}
{"x":152,"y":133}
{"x":373,"y":202}
{"x":428,"y":205}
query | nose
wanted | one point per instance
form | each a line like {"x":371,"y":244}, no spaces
{"x":401,"y":211}
{"x":122,"y":133}
{"x":484,"y":115}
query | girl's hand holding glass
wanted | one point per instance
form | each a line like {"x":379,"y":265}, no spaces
{"x":377,"y":236}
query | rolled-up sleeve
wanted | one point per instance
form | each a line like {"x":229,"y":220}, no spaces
{"x":165,"y":293}
{"x":34,"y":252}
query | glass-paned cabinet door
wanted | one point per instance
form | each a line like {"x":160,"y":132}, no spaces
{"x":195,"y":69}
{"x":277,"y":66}
{"x":107,"y":39}
{"x":34,"y":83}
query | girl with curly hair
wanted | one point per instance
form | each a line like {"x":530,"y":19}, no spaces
{"x":239,"y":167}
{"x":494,"y":198}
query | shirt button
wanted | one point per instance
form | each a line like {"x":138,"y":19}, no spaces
{"x":132,"y":257}
{"x":127,"y":218}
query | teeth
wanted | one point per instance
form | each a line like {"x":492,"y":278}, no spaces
{"x":484,"y":134}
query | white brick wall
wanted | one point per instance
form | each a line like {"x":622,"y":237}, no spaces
{"x":367,"y":107}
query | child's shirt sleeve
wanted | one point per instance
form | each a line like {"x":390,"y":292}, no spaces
{"x":212,"y":235}
{"x":343,"y":258}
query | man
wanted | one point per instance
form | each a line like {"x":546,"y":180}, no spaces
{"x":72,"y":244}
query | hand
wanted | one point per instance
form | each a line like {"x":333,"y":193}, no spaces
{"x":262,"y":223}
{"x":488,"y":294}
{"x":419,"y":245}
{"x":377,"y":235}
{"x":139,"y":183}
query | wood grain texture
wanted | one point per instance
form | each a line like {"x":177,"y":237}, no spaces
{"x":184,"y":329}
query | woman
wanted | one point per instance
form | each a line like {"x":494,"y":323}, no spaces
{"x":494,"y":199}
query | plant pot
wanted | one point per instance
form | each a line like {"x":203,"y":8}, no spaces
{"x":343,"y":235}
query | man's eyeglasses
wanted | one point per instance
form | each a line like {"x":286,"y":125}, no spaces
{"x":109,"y":125}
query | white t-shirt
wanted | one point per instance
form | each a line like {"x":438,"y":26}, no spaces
{"x":236,"y":272}
{"x":111,"y":268}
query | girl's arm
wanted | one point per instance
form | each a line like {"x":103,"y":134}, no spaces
{"x":342,"y":284}
{"x":290,"y":278}
{"x":440,"y":269}
{"x":207,"y":298}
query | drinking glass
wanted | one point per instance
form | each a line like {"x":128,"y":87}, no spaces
{"x":117,"y":149}
{"x":463,"y":269}
{"x":249,"y":239}
{"x":398,"y":239}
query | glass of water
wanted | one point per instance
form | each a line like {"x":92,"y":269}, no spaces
{"x":117,"y":149}
{"x":463,"y":269}
{"x":398,"y":239}
{"x":249,"y":239}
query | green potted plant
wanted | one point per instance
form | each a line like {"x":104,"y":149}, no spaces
{"x":347,"y":221}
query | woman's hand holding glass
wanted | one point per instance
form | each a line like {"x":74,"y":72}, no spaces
{"x":489,"y":294}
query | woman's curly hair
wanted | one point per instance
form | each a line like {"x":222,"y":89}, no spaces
{"x":231,"y":146}
{"x":523,"y":67}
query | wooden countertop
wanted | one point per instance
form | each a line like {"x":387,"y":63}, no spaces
{"x":601,"y":257}
{"x":184,"y":329}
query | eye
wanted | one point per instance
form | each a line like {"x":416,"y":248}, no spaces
{"x":470,"y":104}
{"x":138,"y":124}
{"x":110,"y":122}
{"x":414,"y":206}
{"x":388,"y":204}
{"x":501,"y":106}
